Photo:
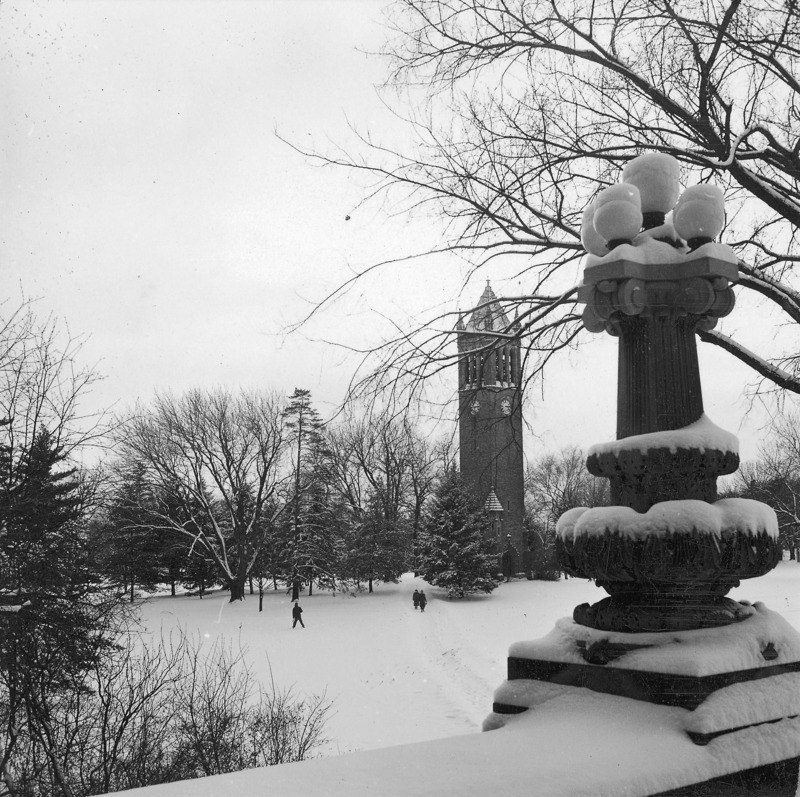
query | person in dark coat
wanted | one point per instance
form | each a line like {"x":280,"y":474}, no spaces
{"x":416,"y":598}
{"x":422,"y":600}
{"x":297,"y":614}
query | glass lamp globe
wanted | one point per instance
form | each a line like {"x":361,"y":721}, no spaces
{"x":657,"y":176}
{"x":699,"y":215}
{"x":618,"y":214}
{"x":592,"y":241}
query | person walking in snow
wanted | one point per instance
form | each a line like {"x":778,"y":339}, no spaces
{"x":296,"y":613}
{"x":422,"y":600}
{"x":416,"y":598}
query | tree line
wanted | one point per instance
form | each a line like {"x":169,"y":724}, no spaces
{"x":251,"y":491}
{"x":88,"y":704}
{"x":209,"y":487}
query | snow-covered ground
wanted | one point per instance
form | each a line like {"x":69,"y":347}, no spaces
{"x":396,"y":675}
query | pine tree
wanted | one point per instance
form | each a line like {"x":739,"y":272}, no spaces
{"x":130,"y":550}
{"x":377,"y":547}
{"x":454,"y":552}
{"x":54,"y":613}
{"x":314,"y":550}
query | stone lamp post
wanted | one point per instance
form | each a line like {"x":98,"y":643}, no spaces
{"x":670,"y":567}
{"x":668,"y":551}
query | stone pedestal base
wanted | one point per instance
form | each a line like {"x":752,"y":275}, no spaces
{"x":731,"y":686}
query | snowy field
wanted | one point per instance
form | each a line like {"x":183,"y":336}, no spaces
{"x":396,"y":675}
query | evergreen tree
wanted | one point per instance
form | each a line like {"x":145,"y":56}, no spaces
{"x":54,"y":621}
{"x":199,"y":572}
{"x":454,"y":552}
{"x":314,"y":549}
{"x":377,"y":547}
{"x":43,"y":554}
{"x":130,"y":550}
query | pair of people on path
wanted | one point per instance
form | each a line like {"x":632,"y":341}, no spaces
{"x":420,"y":601}
{"x":297,"y":613}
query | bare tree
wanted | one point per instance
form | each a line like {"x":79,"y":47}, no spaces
{"x":555,"y":483}
{"x":775,"y":479}
{"x":214,"y":459}
{"x":156,"y":710}
{"x":522,"y":110}
{"x":43,"y":387}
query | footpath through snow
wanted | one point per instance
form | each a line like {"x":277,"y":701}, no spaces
{"x":395,"y":675}
{"x":399,"y":676}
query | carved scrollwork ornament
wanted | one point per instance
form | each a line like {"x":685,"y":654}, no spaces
{"x":723,"y":303}
{"x":632,"y":297}
{"x":697,"y":295}
{"x":604,"y":303}
{"x":591,"y":320}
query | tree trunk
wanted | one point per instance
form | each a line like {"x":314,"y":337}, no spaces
{"x":237,"y":589}
{"x":370,"y":583}
{"x":250,"y":579}
{"x":260,"y":596}
{"x":132,"y":589}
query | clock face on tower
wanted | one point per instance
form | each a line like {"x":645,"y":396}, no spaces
{"x":505,"y":406}
{"x":475,"y":407}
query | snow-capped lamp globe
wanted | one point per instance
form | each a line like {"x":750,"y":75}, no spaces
{"x":699,"y":215}
{"x":618,"y":214}
{"x":591,"y":240}
{"x":657,"y":176}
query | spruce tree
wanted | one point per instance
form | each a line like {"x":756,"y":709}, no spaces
{"x":131,"y":551}
{"x":313,"y":549}
{"x":54,"y":613}
{"x":455,"y":553}
{"x":377,"y":547}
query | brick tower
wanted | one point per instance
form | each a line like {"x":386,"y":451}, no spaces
{"x":490,"y":422}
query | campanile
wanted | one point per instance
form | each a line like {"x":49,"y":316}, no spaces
{"x":490,"y":418}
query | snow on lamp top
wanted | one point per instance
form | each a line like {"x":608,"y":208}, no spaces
{"x":618,"y":213}
{"x":635,"y":212}
{"x":657,"y":176}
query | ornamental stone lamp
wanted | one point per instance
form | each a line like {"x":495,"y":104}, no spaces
{"x":667,"y":552}
{"x":723,"y":673}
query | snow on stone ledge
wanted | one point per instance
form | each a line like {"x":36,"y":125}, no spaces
{"x":748,"y":703}
{"x":698,"y":653}
{"x":727,"y":516}
{"x":702,"y":435}
{"x":645,"y":249}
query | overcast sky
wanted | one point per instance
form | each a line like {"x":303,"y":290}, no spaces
{"x":148,"y":203}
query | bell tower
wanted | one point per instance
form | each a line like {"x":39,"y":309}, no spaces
{"x":490,"y":422}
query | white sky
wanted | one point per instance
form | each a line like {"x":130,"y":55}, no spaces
{"x":148,"y":203}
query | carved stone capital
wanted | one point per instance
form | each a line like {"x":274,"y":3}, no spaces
{"x":698,"y":289}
